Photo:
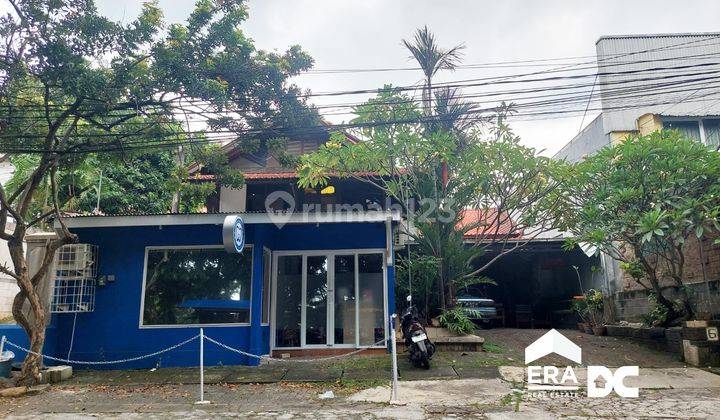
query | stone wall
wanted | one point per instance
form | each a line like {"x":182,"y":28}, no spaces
{"x":633,"y":304}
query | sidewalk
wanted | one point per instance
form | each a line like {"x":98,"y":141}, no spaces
{"x":367,"y":369}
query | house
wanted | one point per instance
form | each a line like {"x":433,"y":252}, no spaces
{"x":269,"y":269}
{"x":647,"y":83}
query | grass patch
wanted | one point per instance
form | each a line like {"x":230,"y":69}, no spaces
{"x":514,"y":398}
{"x":360,"y":384}
{"x":492,"y":348}
{"x":339,"y":386}
{"x":365,"y":362}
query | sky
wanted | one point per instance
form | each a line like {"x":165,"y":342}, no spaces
{"x":367,"y":34}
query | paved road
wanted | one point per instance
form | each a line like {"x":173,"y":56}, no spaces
{"x":665,"y":393}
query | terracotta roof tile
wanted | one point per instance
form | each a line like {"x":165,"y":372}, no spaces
{"x":483,"y":224}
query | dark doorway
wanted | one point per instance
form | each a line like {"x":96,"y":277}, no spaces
{"x":536,"y":284}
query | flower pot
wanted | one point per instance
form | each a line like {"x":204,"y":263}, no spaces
{"x":599,"y":330}
{"x":588,"y":329}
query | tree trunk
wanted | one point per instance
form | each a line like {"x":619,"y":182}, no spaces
{"x":34,"y":325}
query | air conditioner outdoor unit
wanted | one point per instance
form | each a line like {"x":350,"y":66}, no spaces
{"x":74,"y":278}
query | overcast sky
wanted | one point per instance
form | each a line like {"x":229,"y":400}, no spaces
{"x":367,"y":34}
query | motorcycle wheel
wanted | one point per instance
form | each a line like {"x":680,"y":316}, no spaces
{"x":425,"y":363}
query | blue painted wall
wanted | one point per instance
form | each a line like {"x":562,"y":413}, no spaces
{"x":16,"y":334}
{"x":112,"y":331}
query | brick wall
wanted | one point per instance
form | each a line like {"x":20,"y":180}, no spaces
{"x":631,"y":300}
{"x":693,"y":266}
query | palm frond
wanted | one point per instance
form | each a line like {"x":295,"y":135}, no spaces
{"x":431,"y":58}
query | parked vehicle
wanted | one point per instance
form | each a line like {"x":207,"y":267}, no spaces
{"x":420,"y":348}
{"x":480,"y":310}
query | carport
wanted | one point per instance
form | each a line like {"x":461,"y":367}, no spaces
{"x":535,"y":284}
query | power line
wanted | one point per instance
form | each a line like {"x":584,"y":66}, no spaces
{"x":159,"y":144}
{"x":511,"y":63}
{"x":560,"y":101}
{"x":507,"y":79}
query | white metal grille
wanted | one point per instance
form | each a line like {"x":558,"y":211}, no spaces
{"x":75,"y":278}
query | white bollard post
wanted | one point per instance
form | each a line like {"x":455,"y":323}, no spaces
{"x":393,"y":346}
{"x":202,"y":369}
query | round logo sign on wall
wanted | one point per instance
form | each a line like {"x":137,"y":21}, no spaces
{"x":234,"y":234}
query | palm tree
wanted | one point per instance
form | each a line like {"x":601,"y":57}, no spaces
{"x":431,"y":59}
{"x":454,"y":115}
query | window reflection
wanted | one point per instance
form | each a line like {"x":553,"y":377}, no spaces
{"x":197,"y":286}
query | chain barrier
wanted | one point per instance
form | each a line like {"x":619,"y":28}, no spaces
{"x":203,"y":337}
{"x":275,"y":359}
{"x":189,"y":340}
{"x":104,"y":362}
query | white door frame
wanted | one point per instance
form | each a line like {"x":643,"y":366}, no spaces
{"x":330,"y":255}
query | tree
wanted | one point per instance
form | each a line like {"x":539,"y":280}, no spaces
{"x":512,"y":187}
{"x":74,"y":83}
{"x":640,"y":202}
{"x":432,"y":59}
{"x":139,"y":183}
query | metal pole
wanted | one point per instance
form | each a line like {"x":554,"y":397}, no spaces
{"x":99,"y":191}
{"x":393,"y":346}
{"x":2,"y":345}
{"x":202,"y":368}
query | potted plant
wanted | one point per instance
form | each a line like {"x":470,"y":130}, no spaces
{"x":594,"y":300}
{"x":580,"y":307}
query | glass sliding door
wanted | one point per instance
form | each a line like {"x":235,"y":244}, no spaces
{"x":288,"y":307}
{"x":344,"y":305}
{"x":371,"y":295}
{"x":329,"y":298}
{"x":316,"y":299}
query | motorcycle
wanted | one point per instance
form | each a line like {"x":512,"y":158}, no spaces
{"x":419,"y":347}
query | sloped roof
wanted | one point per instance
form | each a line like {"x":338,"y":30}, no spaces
{"x":273,"y":174}
{"x":487,"y":224}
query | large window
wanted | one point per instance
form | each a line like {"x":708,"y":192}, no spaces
{"x":689,"y":129}
{"x":706,"y":130}
{"x":191,"y":286}
{"x":712,"y":132}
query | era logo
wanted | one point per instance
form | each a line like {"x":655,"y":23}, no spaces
{"x":612,"y":381}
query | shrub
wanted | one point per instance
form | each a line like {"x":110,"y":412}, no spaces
{"x":658,"y":313}
{"x":456,"y":320}
{"x":581,"y":309}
